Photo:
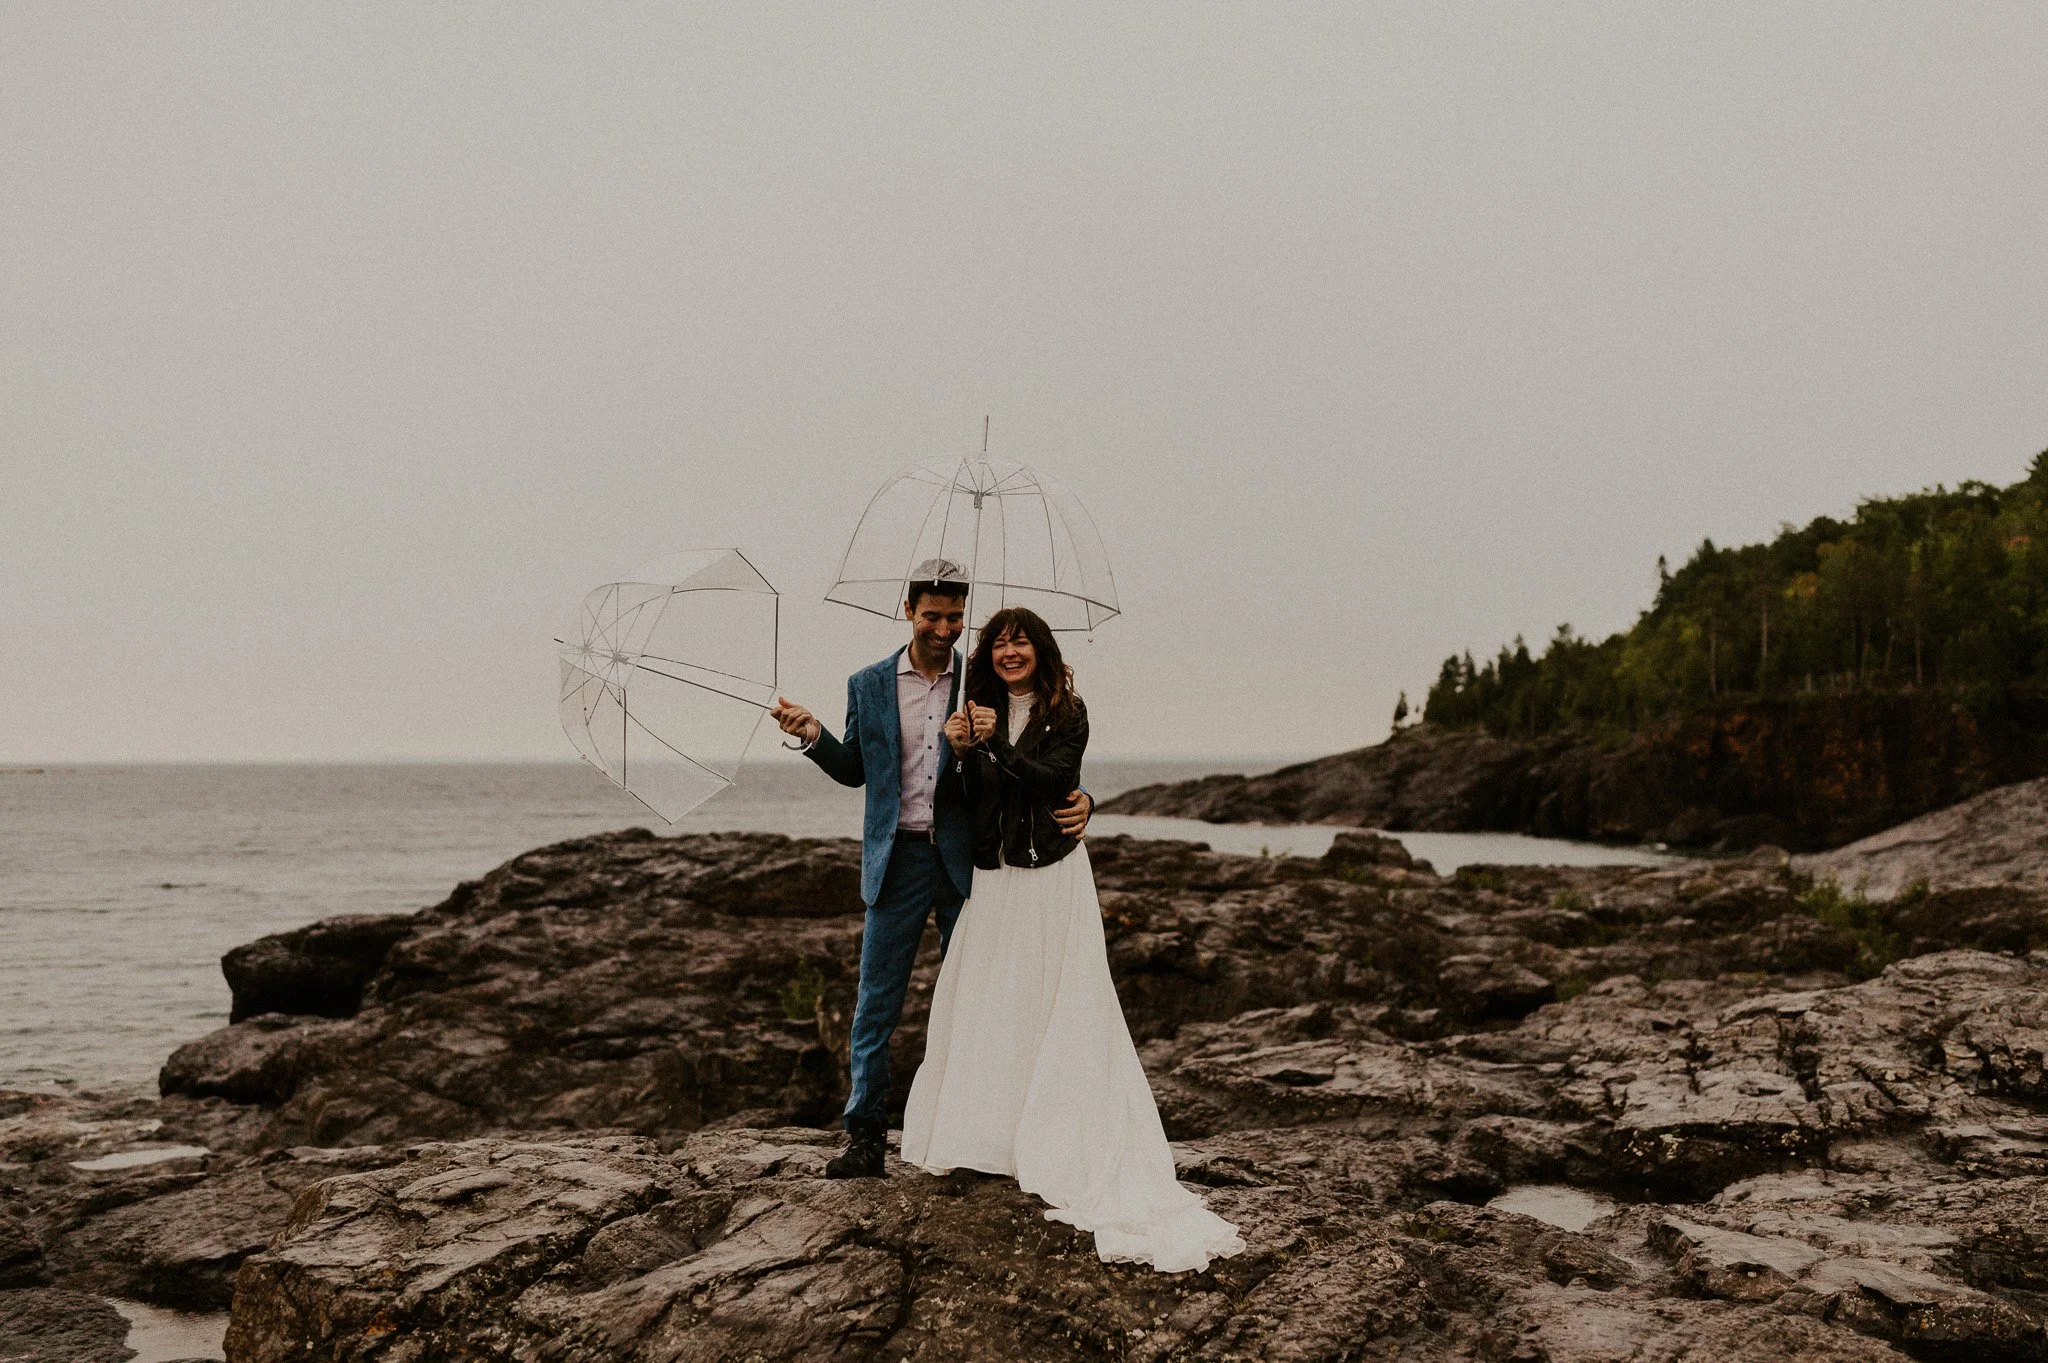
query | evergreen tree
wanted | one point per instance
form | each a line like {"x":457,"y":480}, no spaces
{"x":1941,"y":587}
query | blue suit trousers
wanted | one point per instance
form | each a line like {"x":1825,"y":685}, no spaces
{"x":914,"y":887}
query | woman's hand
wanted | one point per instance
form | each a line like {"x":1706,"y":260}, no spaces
{"x":959,"y":733}
{"x":984,"y":718}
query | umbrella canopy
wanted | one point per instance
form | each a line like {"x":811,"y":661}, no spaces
{"x":666,"y":674}
{"x":1019,"y":537}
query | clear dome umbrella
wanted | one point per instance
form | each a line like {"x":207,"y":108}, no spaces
{"x":665,"y":676}
{"x":1018,"y":537}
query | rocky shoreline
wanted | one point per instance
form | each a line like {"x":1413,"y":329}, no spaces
{"x":1804,"y":773}
{"x":579,"y":1111}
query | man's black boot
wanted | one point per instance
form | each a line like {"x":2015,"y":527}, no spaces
{"x":867,"y":1146}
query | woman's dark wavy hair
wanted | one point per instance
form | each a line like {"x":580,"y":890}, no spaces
{"x":1057,"y":701}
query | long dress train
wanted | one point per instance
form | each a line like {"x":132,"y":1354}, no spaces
{"x":1029,"y":1070}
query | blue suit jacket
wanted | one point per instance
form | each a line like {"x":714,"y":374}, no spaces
{"x":870,"y":754}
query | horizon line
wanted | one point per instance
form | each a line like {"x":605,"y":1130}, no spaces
{"x":18,"y":765}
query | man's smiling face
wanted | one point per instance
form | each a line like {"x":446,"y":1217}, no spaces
{"x":935,"y":623}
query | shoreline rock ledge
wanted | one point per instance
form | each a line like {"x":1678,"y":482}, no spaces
{"x":1802,"y":773}
{"x":1994,"y":841}
{"x":580,"y":1110}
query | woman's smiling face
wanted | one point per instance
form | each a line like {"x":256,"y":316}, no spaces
{"x":1016,"y":661}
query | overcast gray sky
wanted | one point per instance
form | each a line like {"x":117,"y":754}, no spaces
{"x":343,"y":347}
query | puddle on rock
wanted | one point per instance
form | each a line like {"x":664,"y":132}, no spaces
{"x":159,"y":1335}
{"x":132,"y":1159}
{"x":1567,"y":1208}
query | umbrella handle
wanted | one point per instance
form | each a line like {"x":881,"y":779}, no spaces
{"x":966,"y":663}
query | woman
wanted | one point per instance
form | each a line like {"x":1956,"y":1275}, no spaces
{"x":1029,"y":1068}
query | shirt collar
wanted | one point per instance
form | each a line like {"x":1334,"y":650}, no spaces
{"x":904,"y":667}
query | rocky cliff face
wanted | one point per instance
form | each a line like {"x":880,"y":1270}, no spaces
{"x":1806,"y":773}
{"x":576,"y":1115}
{"x":1995,"y":842}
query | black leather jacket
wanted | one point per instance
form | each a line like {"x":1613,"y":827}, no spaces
{"x":1014,"y":790}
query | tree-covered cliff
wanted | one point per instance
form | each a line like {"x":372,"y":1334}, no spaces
{"x":1942,"y":588}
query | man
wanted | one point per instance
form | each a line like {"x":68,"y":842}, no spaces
{"x":917,"y":843}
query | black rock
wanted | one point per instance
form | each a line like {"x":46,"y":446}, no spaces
{"x":52,"y":1325}
{"x":319,"y":969}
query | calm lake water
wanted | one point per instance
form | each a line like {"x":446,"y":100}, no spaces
{"x":120,"y":887}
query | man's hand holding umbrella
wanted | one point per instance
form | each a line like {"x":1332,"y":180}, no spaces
{"x":796,"y":721}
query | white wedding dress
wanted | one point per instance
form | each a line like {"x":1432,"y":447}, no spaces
{"x":1029,"y":1071}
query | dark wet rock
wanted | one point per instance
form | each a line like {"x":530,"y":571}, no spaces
{"x":1691,"y":1134}
{"x":1565,"y":1256}
{"x":21,"y":1253}
{"x":1802,"y":772}
{"x":320,"y":969}
{"x":1672,"y":1091}
{"x":610,"y":982}
{"x":1733,"y":1265}
{"x":257,"y":1061}
{"x":1869,"y":1276}
{"x":1356,"y":1074}
{"x":53,"y":1325}
{"x":2006,"y":920}
{"x":177,"y":1239}
{"x":107,"y":1199}
{"x":580,"y":1115}
{"x":1418,"y":779}
{"x":40,"y":1127}
{"x":791,"y":881}
{"x":1543,"y":1323}
{"x":617,"y":981}
{"x":1486,"y":989}
{"x":507,"y":1249}
{"x":632,"y":982}
{"x":1806,"y":1281}
{"x":2013,"y":1147}
{"x":1370,"y":851}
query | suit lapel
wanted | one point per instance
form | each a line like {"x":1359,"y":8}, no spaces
{"x":884,"y":699}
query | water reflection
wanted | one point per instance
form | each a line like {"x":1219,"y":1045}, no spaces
{"x":158,"y":1335}
{"x":1567,"y":1208}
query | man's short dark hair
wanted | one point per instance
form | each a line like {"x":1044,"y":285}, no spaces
{"x":934,"y":586}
